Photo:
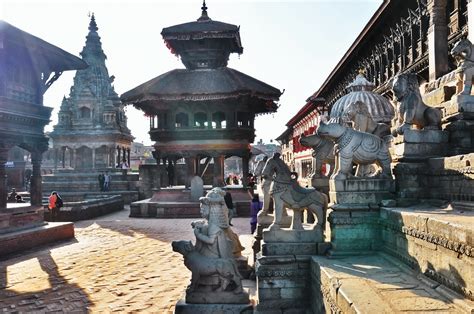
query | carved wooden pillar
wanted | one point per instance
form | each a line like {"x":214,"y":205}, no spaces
{"x":3,"y":179}
{"x":218,"y":175}
{"x":36,"y":185}
{"x":437,"y":39}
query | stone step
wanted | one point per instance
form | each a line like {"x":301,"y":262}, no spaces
{"x":378,"y":284}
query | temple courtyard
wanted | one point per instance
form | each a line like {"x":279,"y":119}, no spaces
{"x":114,"y":264}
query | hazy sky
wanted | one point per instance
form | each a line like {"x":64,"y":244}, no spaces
{"x":291,"y":45}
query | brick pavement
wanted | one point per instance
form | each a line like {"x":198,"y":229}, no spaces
{"x":115,"y":264}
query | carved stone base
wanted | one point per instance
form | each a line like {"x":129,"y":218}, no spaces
{"x":354,"y":232}
{"x":283,"y":284}
{"x":205,"y":295}
{"x":186,"y":308}
{"x":420,"y":144}
{"x":459,"y":108}
{"x":321,"y":184}
{"x":359,"y":191}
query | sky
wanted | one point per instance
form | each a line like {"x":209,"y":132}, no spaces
{"x":291,"y":45}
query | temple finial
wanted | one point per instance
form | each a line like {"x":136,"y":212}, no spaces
{"x":204,"y":16}
{"x":92,"y":24}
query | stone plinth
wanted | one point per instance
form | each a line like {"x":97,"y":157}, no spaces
{"x":35,"y":235}
{"x":354,"y":232}
{"x":460,"y":107}
{"x":354,"y":193}
{"x":283,"y":284}
{"x":291,"y":242}
{"x":187,"y":308}
{"x":205,"y":295}
{"x":321,"y":184}
{"x":420,"y":145}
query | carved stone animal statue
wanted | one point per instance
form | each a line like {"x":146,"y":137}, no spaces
{"x":201,"y":265}
{"x":462,"y":53}
{"x":411,"y":108}
{"x":358,"y":113}
{"x":358,"y":147}
{"x":323,"y":152}
{"x":286,"y":192}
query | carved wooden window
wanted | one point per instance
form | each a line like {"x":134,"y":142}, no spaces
{"x":200,"y":119}
{"x":218,"y":120}
{"x":182,"y":120}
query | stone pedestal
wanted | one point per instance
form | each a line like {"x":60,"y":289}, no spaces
{"x":354,"y":232}
{"x":416,"y":145}
{"x":283,"y":270}
{"x":321,"y":184}
{"x":361,"y":193}
{"x":188,"y":308}
{"x":263,"y":223}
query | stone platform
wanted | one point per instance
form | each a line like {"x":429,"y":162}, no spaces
{"x":416,"y":145}
{"x":189,"y":308}
{"x":378,"y":284}
{"x":359,"y":192}
{"x":88,"y":209}
{"x":176,"y":202}
{"x":32,"y":237}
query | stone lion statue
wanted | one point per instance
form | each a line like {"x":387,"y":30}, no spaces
{"x":353,"y":146}
{"x":462,"y":53}
{"x":358,"y":113}
{"x":411,"y":110}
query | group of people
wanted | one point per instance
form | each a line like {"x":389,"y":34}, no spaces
{"x":104,"y":181}
{"x":232,"y":180}
{"x":14,"y":197}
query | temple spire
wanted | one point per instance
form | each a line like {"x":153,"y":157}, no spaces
{"x":93,"y":25}
{"x":204,"y":16}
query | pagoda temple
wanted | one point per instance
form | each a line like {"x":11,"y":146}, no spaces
{"x":92,"y":127}
{"x":206,"y":110}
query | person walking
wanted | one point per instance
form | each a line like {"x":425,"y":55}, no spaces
{"x":101,"y":181}
{"x":230,"y":205}
{"x":255,"y":207}
{"x":106,"y":181}
{"x":54,"y":205}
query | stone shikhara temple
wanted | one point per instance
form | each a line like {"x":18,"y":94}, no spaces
{"x":206,"y":110}
{"x":29,"y":66}
{"x":92,"y":127}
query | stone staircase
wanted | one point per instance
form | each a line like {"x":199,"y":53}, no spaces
{"x":80,"y":185}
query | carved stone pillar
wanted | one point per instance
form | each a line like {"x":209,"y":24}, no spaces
{"x":218,"y":177}
{"x":123,"y":154}
{"x":64,"y":156}
{"x":118,"y":155}
{"x":93,"y":158}
{"x":190,"y":169}
{"x":3,"y":179}
{"x":55,"y":159}
{"x":128,"y":156}
{"x":245,"y":170}
{"x":73,"y":158}
{"x":36,"y":185}
{"x":437,"y":39}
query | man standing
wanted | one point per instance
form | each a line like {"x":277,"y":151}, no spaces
{"x":106,"y":181}
{"x":101,"y":181}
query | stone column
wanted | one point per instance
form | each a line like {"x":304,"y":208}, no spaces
{"x":123,"y":154}
{"x":118,"y":155}
{"x":64,"y":156}
{"x":245,"y":170}
{"x":93,"y":158}
{"x":437,"y":39}
{"x":73,"y":158}
{"x":128,"y":156}
{"x":36,"y":190}
{"x":3,"y":179}
{"x":55,"y":159}
{"x":218,"y":178}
